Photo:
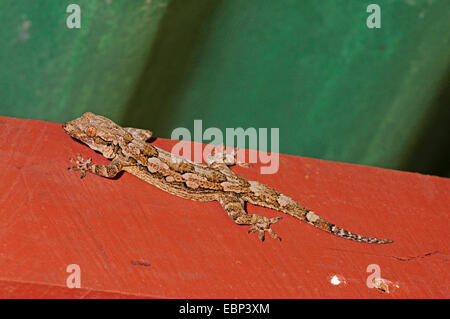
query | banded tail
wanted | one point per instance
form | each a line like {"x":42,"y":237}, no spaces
{"x":273,"y":199}
{"x":313,"y":219}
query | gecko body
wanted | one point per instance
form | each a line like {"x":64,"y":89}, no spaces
{"x":129,"y":151}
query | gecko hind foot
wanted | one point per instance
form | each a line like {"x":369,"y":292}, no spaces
{"x":80,"y":164}
{"x":262,"y":224}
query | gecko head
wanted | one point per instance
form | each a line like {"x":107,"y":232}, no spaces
{"x":98,"y":132}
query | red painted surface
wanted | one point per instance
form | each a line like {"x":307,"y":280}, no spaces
{"x":133,"y":240}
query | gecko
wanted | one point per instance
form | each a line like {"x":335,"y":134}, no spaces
{"x":129,"y":150}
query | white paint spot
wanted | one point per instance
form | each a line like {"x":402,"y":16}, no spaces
{"x":335,"y":280}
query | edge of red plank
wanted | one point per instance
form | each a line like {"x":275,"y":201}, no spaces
{"x":131,"y":240}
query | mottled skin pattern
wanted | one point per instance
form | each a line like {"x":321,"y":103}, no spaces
{"x":129,"y":151}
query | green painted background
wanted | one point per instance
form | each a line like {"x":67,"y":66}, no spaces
{"x":53,"y":73}
{"x":336,"y":89}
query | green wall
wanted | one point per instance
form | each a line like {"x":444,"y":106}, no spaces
{"x":53,"y":73}
{"x":336,"y":89}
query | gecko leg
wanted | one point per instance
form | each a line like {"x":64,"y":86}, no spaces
{"x":224,"y":158}
{"x":234,"y":206}
{"x":82,"y":165}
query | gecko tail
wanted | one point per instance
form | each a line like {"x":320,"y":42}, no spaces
{"x":291,"y":207}
{"x":311,"y":218}
{"x":340,"y":232}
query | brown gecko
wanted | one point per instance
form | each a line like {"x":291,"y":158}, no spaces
{"x":129,"y":151}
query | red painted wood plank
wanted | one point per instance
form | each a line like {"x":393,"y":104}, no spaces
{"x":133,"y":240}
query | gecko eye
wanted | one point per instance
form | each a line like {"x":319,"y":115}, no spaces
{"x":91,"y":131}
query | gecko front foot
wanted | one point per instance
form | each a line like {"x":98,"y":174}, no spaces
{"x":262,"y":224}
{"x":80,"y":164}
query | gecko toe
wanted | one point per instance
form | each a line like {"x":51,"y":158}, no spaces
{"x":261,"y":235}
{"x":262,"y":225}
{"x":80,"y":164}
{"x":274,"y":235}
{"x":275,"y":219}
